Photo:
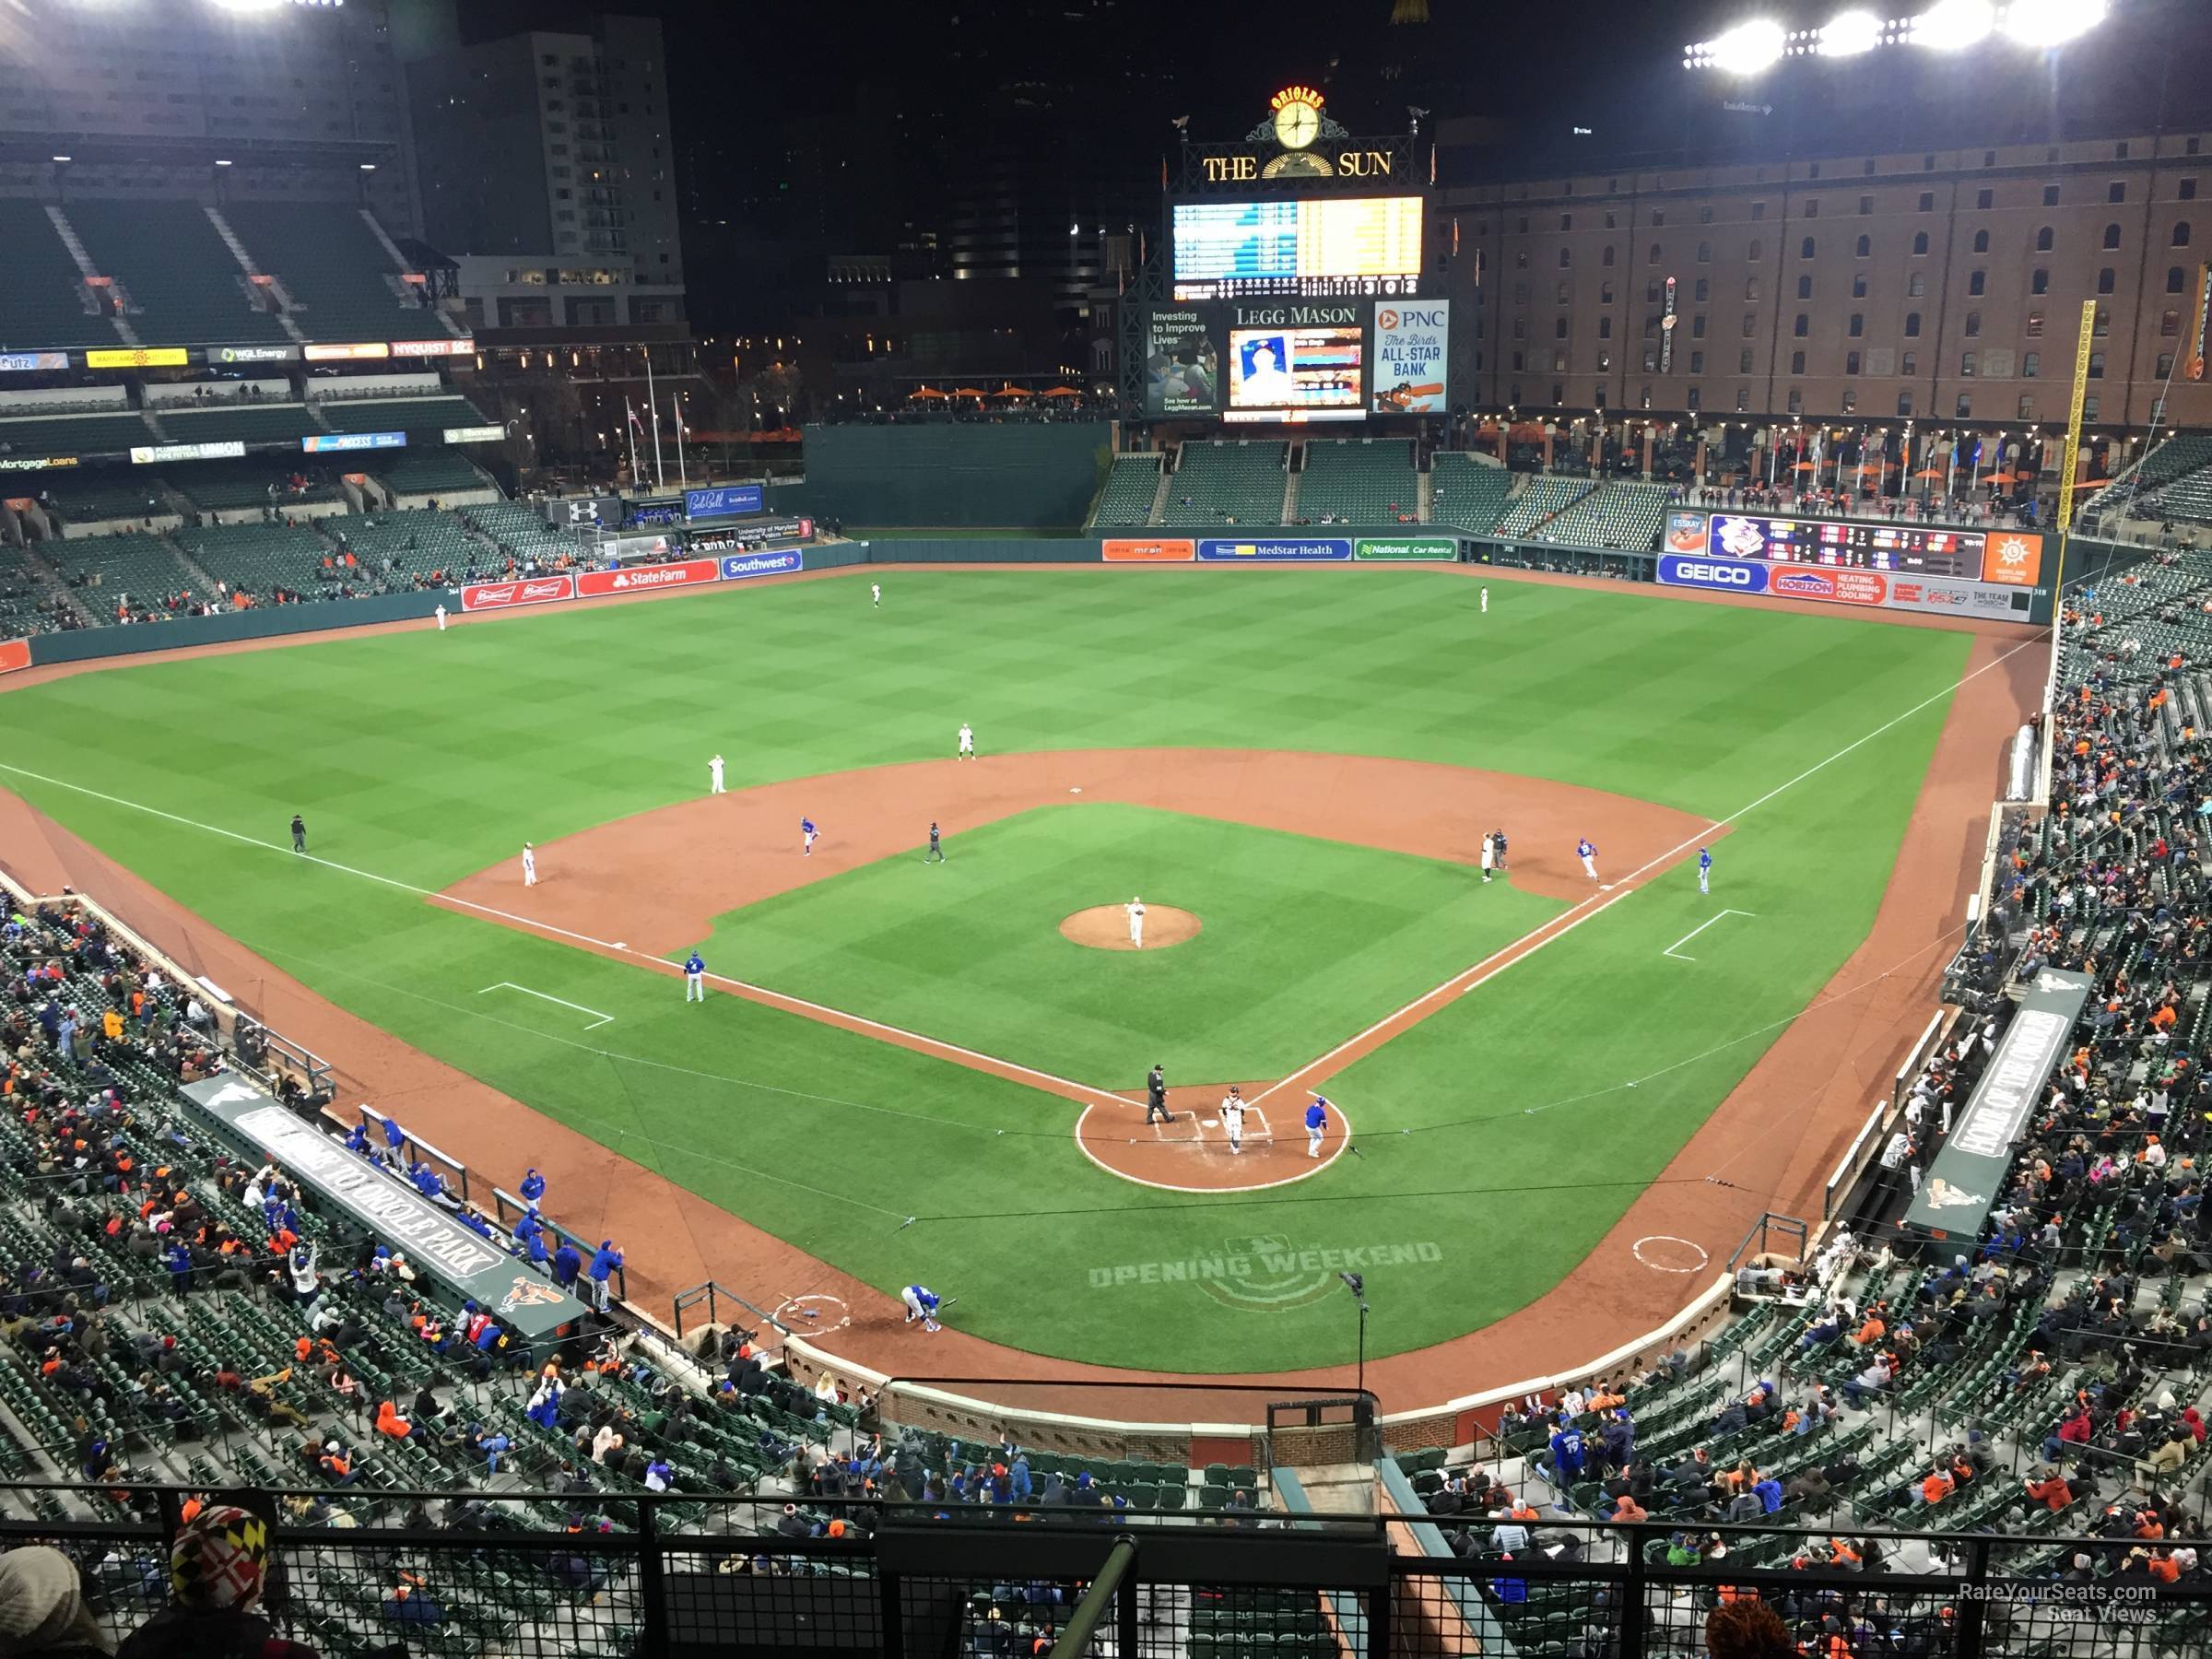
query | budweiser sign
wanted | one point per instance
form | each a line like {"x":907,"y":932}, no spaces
{"x":646,"y":579}
{"x":503,"y":595}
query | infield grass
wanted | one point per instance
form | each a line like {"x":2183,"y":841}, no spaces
{"x":423,"y":756}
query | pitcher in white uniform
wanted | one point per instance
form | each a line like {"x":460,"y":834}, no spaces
{"x":1135,"y":907}
{"x":714,"y":776}
{"x":529,"y":864}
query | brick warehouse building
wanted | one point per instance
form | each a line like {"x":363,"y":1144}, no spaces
{"x":1938,"y":285}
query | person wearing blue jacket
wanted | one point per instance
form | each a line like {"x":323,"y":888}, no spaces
{"x":534,"y":1188}
{"x":568,"y":1262}
{"x":605,"y":1261}
{"x":1567,"y":1451}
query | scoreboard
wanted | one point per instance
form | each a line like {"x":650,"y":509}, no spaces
{"x":1315,"y":248}
{"x":2000,"y":556}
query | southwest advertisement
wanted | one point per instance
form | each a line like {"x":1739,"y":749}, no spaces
{"x":1412,"y":337}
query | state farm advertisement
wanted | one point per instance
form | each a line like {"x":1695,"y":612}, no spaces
{"x":505,"y":595}
{"x":647,"y":579}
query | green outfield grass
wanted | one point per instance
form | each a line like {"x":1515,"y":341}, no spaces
{"x":423,"y":756}
{"x":1302,"y":942}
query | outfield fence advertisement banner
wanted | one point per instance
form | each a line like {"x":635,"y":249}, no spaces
{"x":1302,"y":550}
{"x":505,"y":595}
{"x":1962,"y":1185}
{"x":646,"y":579}
{"x":15,"y":655}
{"x":1417,"y":546}
{"x":780,"y":562}
{"x":387,"y":1206}
{"x":1171,"y":551}
{"x":33,"y":362}
{"x":34,"y":463}
{"x":1412,"y":340}
{"x":476,"y":434}
{"x":1889,"y":591}
{"x":724,"y":500}
{"x":254,"y":354}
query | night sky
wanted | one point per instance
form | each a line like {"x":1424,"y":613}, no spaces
{"x":803,"y":127}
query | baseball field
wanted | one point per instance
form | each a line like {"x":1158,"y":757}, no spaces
{"x":891,"y":1065}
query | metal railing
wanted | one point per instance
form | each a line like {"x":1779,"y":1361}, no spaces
{"x":658,"y":1577}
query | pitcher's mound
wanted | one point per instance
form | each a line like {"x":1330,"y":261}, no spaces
{"x":1106,"y":927}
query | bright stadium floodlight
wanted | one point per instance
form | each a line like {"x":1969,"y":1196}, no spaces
{"x":1748,"y":47}
{"x":2042,"y":23}
{"x":1954,"y":25}
{"x":1847,"y":34}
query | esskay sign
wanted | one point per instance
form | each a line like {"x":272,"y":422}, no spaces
{"x":465,"y":1263}
{"x":1299,"y":549}
{"x":1962,"y":1187}
{"x":1419,"y":547}
{"x":505,"y":595}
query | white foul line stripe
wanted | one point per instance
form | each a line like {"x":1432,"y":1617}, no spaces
{"x":1674,"y":949}
{"x":761,"y":992}
{"x":1475,"y":975}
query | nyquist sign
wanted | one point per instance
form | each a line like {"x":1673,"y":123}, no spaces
{"x":1725,"y":574}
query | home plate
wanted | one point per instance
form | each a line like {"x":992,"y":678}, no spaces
{"x":1604,"y":886}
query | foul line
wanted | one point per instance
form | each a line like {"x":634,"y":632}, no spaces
{"x":1674,"y":949}
{"x":597,"y":1021}
{"x":822,"y":1012}
{"x":1526,"y":946}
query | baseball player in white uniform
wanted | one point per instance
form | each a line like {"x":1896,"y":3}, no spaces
{"x":875,"y":594}
{"x":1489,"y":856}
{"x":1135,"y":907}
{"x":529,"y":864}
{"x":1232,"y":1119}
{"x":714,"y":776}
{"x":966,"y":741}
{"x":1485,"y":601}
{"x":440,"y":619}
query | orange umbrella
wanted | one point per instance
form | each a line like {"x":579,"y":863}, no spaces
{"x":2002,"y":478}
{"x":1062,"y":391}
{"x":1929,"y":472}
{"x":926,"y":391}
{"x":1804,"y":467}
{"x":968,"y":391}
{"x":1009,"y":391}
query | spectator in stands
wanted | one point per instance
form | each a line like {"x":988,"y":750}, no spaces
{"x":217,"y":1570}
{"x":42,"y":1607}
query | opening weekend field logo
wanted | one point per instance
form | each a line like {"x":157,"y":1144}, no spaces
{"x":1269,"y":1273}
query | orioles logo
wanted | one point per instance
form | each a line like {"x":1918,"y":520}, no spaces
{"x":528,"y":1293}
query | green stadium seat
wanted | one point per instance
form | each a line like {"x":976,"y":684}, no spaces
{"x":185,"y":285}
{"x":1219,"y":484}
{"x":1467,"y":493}
{"x":343,"y":285}
{"x":1131,"y":485}
{"x":1358,"y":481}
{"x":43,"y":304}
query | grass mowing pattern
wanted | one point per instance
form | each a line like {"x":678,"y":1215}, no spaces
{"x":424,"y":757}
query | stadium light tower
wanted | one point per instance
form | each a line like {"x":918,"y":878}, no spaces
{"x":1758,"y":43}
{"x":1954,"y":25}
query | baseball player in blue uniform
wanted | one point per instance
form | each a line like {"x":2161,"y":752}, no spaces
{"x":1704,"y":870}
{"x":806,"y":834}
{"x":1588,"y":854}
{"x":695,"y":978}
{"x":922,"y":1304}
{"x":1317,"y":1121}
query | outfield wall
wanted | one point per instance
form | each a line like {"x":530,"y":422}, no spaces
{"x":1040,"y":474}
{"x":1283,"y":546}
